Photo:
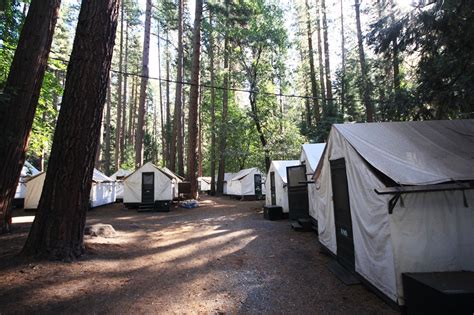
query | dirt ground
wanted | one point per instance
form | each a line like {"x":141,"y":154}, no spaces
{"x":222,"y":257}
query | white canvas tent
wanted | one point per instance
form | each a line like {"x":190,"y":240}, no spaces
{"x":102,"y":190}
{"x":204,"y":183}
{"x":310,"y":155}
{"x":27,"y":171}
{"x":118,"y":178}
{"x":165,"y":185}
{"x":277,"y":171}
{"x":430,"y":229}
{"x":243,"y":183}
{"x":227,"y":178}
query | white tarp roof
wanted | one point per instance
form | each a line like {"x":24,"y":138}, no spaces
{"x":416,"y":152}
{"x":312,"y":152}
{"x":99,"y":177}
{"x":242,"y":173}
{"x":280,"y":167}
{"x":170,"y":174}
{"x":120,"y":173}
{"x":29,"y":170}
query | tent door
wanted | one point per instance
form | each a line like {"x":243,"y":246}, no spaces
{"x":342,"y":214}
{"x":272,"y":188}
{"x":297,"y":192}
{"x":258,"y":184}
{"x":148,"y":187}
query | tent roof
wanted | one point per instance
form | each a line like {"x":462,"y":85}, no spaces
{"x":120,"y":173}
{"x":206,"y":179}
{"x":416,"y":152}
{"x":242,"y":173}
{"x":280,"y":167}
{"x":29,"y":170}
{"x":313,"y":152}
{"x":170,"y":174}
{"x":99,"y":177}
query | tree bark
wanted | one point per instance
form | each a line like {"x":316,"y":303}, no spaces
{"x":364,"y":91}
{"x":123,"y":127}
{"x":343,"y":62}
{"x":193,"y":127}
{"x":20,"y":97}
{"x":320,"y":55}
{"x":213,"y":106}
{"x":118,"y":123}
{"x":329,"y":102}
{"x":179,"y":91}
{"x":168,"y":103}
{"x":225,"y":104}
{"x":312,"y":71}
{"x":140,"y":132}
{"x":107,"y":155}
{"x":58,"y":229}
{"x":162,"y":118}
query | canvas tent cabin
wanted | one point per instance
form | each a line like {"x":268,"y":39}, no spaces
{"x":310,"y":155}
{"x":247,"y":184}
{"x":176,"y":179}
{"x":150,"y":185}
{"x":227,"y":178}
{"x":276,"y":193}
{"x":396,"y":198}
{"x":27,"y":171}
{"x":118,"y":178}
{"x":102,"y":190}
{"x":204,"y":184}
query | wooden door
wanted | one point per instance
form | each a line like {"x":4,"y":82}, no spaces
{"x":342,"y":214}
{"x":148,"y":187}
{"x":272,"y":188}
{"x":297,"y":192}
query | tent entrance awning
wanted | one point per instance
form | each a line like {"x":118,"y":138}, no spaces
{"x":399,"y":190}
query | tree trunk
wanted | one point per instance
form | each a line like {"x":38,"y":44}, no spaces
{"x":140,"y":131}
{"x":20,"y":97}
{"x":179,"y":90}
{"x":329,"y":102}
{"x":365,"y":92}
{"x":312,"y":72}
{"x":193,"y":128}
{"x":180,"y":148}
{"x":124,"y":99}
{"x":58,"y":229}
{"x":118,"y":124}
{"x":107,"y":156}
{"x":213,"y":106}
{"x":168,"y":102}
{"x":130,"y":113}
{"x":162,"y":118}
{"x":223,"y":128}
{"x":258,"y":125}
{"x":320,"y":56}
{"x":199,"y":172}
{"x":343,"y":62}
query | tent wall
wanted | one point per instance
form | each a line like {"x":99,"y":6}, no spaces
{"x":164,"y":188}
{"x":34,"y":187}
{"x":280,"y":191}
{"x":102,"y":194}
{"x":119,"y":190}
{"x":432,"y":231}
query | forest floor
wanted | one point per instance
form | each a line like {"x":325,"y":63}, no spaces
{"x":222,"y":257}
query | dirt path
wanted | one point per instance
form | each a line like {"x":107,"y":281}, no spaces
{"x":219,"y":258}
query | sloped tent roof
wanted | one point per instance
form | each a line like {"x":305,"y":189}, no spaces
{"x":100,"y":177}
{"x":242,"y":173}
{"x":170,"y":174}
{"x":312,"y":152}
{"x":280,"y":167}
{"x":120,"y":173}
{"x":29,"y":170}
{"x":416,"y":152}
{"x":206,"y":179}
